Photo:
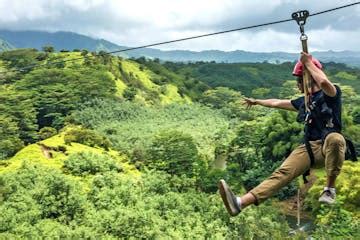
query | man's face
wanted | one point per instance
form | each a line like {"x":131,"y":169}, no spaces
{"x":300,"y":84}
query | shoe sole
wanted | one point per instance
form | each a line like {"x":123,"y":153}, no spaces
{"x":326,"y":199}
{"x":327,"y":202}
{"x":227,"y":199}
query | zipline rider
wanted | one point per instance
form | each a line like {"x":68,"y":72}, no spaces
{"x":326,"y":143}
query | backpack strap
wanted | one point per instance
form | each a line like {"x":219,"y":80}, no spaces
{"x":350,"y":153}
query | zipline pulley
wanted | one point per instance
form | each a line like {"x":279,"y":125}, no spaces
{"x":300,"y":17}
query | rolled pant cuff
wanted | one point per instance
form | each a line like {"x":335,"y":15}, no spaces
{"x":332,"y":174}
{"x":256,"y":198}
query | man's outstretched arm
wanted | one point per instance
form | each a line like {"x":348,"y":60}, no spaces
{"x":272,"y":103}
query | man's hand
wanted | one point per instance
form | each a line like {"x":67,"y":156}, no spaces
{"x":318,"y":75}
{"x":305,"y":58}
{"x":249,"y":102}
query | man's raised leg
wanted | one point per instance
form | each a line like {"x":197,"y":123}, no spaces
{"x":295,"y":165}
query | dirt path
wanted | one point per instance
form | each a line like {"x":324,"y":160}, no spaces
{"x":46,"y":150}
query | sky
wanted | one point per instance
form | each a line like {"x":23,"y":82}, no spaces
{"x":139,"y":22}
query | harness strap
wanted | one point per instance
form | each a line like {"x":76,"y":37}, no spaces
{"x":310,"y":153}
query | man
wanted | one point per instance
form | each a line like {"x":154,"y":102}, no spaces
{"x":323,"y":137}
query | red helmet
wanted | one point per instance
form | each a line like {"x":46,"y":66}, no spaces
{"x":298,"y":69}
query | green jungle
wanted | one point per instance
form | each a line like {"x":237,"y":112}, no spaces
{"x":111,"y":148}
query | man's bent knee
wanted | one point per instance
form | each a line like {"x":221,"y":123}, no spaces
{"x":334,"y":153}
{"x":335,"y":139}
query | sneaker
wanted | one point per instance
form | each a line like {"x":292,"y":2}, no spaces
{"x":229,"y":199}
{"x":327,"y":197}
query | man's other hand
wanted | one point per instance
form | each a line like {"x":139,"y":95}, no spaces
{"x":249,"y":102}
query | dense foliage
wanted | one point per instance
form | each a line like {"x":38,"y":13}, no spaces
{"x":87,"y":137}
{"x":173,"y":152}
{"x":55,"y":92}
{"x":84,"y":163}
{"x":116,"y":206}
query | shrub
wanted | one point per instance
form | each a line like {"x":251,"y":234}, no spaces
{"x":336,"y":223}
{"x":10,"y":141}
{"x":356,"y":115}
{"x":173,"y":152}
{"x":87,"y":137}
{"x":48,"y":48}
{"x":129,"y":93}
{"x":31,"y":193}
{"x":52,"y":229}
{"x":47,"y":132}
{"x":84,"y":163}
{"x":208,"y":181}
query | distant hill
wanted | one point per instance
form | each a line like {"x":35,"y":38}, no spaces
{"x":59,"y":40}
{"x":5,"y":46}
{"x":70,"y":41}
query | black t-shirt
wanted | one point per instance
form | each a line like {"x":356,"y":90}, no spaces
{"x":332,"y":102}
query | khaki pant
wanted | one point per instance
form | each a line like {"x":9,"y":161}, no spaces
{"x":331,"y":155}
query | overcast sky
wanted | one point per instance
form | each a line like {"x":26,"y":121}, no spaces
{"x":139,"y":22}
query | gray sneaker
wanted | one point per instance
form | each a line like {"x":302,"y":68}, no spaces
{"x":229,"y":198}
{"x":327,"y":197}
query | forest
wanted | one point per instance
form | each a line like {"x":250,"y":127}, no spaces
{"x":106,"y":148}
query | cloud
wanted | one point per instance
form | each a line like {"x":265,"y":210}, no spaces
{"x":138,"y":22}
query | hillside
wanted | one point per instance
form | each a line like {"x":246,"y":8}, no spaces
{"x":113,"y":148}
{"x":70,"y":41}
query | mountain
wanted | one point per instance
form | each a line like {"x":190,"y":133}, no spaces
{"x":70,"y":41}
{"x":59,"y":40}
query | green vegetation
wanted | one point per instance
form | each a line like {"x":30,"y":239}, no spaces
{"x":131,"y":126}
{"x":86,"y":137}
{"x":55,"y":92}
{"x":116,"y":206}
{"x":173,"y":152}
{"x":47,"y":132}
{"x":84,"y":163}
{"x":112,"y":148}
{"x":10,"y":139}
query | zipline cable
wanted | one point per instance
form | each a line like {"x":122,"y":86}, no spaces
{"x":176,"y":40}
